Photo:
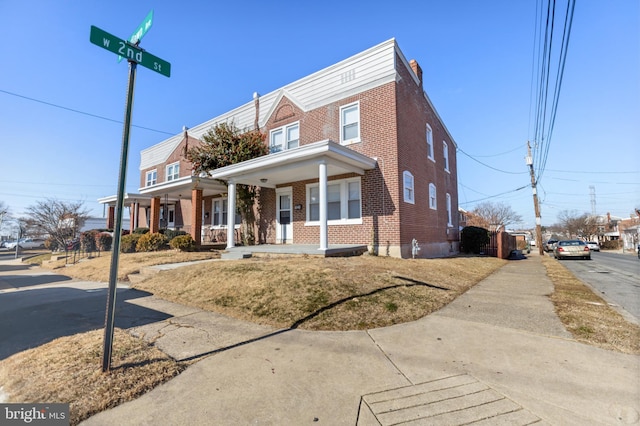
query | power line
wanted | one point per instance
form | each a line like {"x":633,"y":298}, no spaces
{"x":81,"y":112}
{"x":490,"y":167}
{"x":496,"y":195}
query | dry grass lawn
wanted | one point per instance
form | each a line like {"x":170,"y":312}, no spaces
{"x":68,"y":370}
{"x":317,"y":293}
{"x":97,"y":268}
{"x":586,"y":315}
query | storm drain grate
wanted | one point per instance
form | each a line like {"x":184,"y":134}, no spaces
{"x":454,"y":400}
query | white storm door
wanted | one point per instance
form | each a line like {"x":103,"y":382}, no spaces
{"x":284,"y":216}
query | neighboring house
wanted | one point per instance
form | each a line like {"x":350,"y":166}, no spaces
{"x":359,"y":155}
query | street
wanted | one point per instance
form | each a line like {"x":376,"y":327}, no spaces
{"x":37,"y":306}
{"x":613,"y":276}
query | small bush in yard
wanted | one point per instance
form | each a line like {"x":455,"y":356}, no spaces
{"x":183,"y":243}
{"x":171,"y":233}
{"x":141,"y":231}
{"x":129,"y":242}
{"x":88,"y":241}
{"x":104,"y":241}
{"x":151,"y":242}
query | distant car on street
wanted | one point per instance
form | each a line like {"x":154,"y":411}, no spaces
{"x":550,"y":245}
{"x":25,"y":243}
{"x":593,"y":246}
{"x":571,"y":248}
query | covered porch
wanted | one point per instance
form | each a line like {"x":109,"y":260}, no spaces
{"x":316,"y":161}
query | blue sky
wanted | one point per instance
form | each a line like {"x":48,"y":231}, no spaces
{"x":477,"y":58}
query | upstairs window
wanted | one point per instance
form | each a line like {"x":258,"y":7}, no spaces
{"x":407,"y":182}
{"x":433,"y":203}
{"x":287,"y":137}
{"x":429,"y":137}
{"x":445,"y":151}
{"x":173,"y":171}
{"x":151,"y":178}
{"x":350,"y":124}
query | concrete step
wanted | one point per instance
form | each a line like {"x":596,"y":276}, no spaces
{"x":234,"y":255}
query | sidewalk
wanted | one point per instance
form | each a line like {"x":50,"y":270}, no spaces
{"x":498,"y":353}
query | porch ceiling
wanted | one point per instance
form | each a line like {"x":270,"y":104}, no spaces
{"x":296,"y":165}
{"x":181,"y":188}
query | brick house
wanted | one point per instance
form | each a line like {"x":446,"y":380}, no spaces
{"x":359,"y":155}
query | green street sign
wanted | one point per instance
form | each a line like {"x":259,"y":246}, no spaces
{"x":140,"y":31}
{"x":129,"y":51}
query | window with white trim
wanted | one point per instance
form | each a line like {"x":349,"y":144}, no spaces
{"x":151,"y":177}
{"x":286,"y":137}
{"x":445,"y":152}
{"x":433,"y":204}
{"x":173,"y":171}
{"x":343,"y":202}
{"x":407,"y":183}
{"x":220,"y":216}
{"x":449,"y":223}
{"x":429,"y":137}
{"x":350,"y":123}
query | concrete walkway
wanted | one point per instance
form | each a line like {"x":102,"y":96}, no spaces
{"x":496,"y":355}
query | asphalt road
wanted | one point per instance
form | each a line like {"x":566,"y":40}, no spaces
{"x":614,"y":276}
{"x":37,"y":306}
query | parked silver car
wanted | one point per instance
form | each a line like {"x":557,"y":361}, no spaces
{"x":25,"y":243}
{"x":571,"y":248}
{"x":550,"y":245}
{"x":593,"y":245}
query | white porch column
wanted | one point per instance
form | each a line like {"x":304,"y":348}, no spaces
{"x":231,"y":214}
{"x":324,"y":230}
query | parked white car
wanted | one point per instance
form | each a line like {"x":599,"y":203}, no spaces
{"x":25,"y":243}
{"x":593,"y":246}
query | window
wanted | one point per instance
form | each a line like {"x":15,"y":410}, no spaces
{"x":407,"y":179}
{"x":220,"y":216}
{"x":287,"y":137}
{"x":449,"y":223}
{"x":433,"y":204}
{"x":430,"y":143}
{"x":173,"y":171}
{"x":343,"y":202}
{"x":151,"y":178}
{"x":445,"y":151}
{"x":350,"y":124}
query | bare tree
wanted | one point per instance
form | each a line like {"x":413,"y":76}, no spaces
{"x":495,"y":216}
{"x":4,"y":213}
{"x":575,"y":224}
{"x":59,"y":219}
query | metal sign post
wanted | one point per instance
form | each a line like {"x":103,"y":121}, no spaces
{"x":135,"y":55}
{"x":117,"y":232}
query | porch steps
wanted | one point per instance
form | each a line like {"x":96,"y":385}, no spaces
{"x":235,"y":255}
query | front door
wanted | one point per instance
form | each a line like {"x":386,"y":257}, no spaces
{"x":284,"y":216}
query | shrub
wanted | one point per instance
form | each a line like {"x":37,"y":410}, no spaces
{"x":88,"y":241}
{"x":183,"y":243}
{"x":141,"y":231}
{"x":171,"y":233}
{"x":104,"y":241}
{"x":51,"y":244}
{"x":151,"y":242}
{"x":129,"y":242}
{"x":473,"y":238}
{"x":611,"y":245}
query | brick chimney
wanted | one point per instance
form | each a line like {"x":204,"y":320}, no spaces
{"x":416,"y":69}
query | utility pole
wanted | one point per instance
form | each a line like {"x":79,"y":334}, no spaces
{"x":536,"y":205}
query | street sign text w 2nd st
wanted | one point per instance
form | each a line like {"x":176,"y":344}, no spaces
{"x":129,"y":51}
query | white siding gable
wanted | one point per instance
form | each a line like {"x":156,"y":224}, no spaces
{"x":361,"y":72}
